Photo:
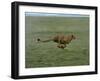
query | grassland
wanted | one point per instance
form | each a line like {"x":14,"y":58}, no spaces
{"x":47,"y":54}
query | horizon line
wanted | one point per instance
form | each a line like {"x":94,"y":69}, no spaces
{"x":54,"y":14}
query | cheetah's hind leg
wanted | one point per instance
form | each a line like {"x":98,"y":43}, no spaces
{"x":62,"y":46}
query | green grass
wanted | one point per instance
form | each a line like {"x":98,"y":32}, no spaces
{"x":47,"y":54}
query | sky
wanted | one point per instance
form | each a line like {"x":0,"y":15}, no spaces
{"x":54,"y":14}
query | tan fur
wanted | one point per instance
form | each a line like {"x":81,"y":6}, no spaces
{"x":62,"y":40}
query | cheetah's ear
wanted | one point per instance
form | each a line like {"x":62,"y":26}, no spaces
{"x":73,"y":36}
